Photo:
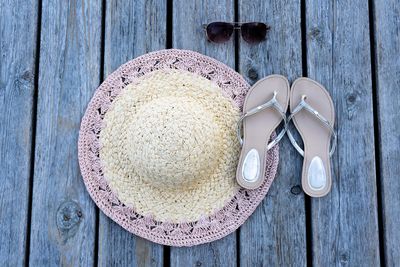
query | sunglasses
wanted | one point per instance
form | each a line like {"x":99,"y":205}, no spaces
{"x":220,"y":32}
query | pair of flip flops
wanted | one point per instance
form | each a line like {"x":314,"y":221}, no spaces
{"x":312,"y":111}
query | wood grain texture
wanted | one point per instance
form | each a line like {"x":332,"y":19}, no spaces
{"x":132,"y":29}
{"x":63,"y":215}
{"x":18,"y":33}
{"x":187,"y":33}
{"x":387,"y":55}
{"x":275,"y":235}
{"x":345,"y":223}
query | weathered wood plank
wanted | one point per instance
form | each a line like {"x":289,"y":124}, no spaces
{"x":275,"y":235}
{"x":118,"y":247}
{"x":344,"y":223}
{"x":387,"y":52}
{"x":218,"y":253}
{"x":18,"y":33}
{"x":188,"y":17}
{"x":63,"y":215}
{"x":132,"y":28}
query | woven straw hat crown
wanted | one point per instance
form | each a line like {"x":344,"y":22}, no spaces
{"x":172,"y":142}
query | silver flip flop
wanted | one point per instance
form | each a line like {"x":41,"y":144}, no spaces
{"x":313,"y":115}
{"x":264,"y":109}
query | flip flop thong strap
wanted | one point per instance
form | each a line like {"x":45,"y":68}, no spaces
{"x":273,"y":103}
{"x":304,"y":105}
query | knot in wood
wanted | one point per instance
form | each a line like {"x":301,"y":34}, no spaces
{"x":25,"y":81}
{"x":295,"y":190}
{"x":27,"y":76}
{"x":344,"y":257}
{"x":252,"y":74}
{"x":69,"y":214}
{"x":351,"y":98}
{"x":314,"y":32}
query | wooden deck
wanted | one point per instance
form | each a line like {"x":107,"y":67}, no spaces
{"x":54,"y":54}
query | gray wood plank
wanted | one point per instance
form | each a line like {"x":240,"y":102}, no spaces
{"x":63,"y":215}
{"x":18,"y":33}
{"x":218,"y":253}
{"x":132,"y":29}
{"x":387,"y":52}
{"x":275,"y":235}
{"x":344,"y":223}
{"x":188,"y":17}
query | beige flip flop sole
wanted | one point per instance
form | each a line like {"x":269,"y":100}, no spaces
{"x":258,"y":128}
{"x":316,"y":174}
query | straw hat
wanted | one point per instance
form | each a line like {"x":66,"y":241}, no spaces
{"x":158,"y":150}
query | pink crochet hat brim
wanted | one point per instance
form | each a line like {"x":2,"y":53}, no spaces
{"x":216,"y":226}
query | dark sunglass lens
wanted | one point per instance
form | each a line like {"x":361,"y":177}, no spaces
{"x":219,"y":32}
{"x":254,"y":32}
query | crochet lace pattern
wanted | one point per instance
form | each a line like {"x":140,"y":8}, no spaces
{"x":216,"y":226}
